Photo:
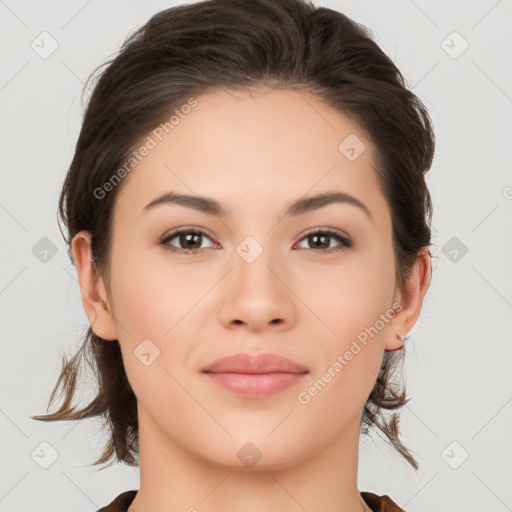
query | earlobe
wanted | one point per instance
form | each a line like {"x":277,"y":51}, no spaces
{"x":412,"y":295}
{"x":402,"y":341}
{"x":92,"y":288}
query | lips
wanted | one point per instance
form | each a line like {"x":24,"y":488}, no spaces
{"x":255,"y":376}
{"x":263,"y":363}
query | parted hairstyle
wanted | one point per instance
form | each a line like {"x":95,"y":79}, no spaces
{"x":190,"y":49}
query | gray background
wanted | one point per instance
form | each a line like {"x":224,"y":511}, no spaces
{"x":458,"y":366}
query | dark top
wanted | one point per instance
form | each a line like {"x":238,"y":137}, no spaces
{"x":376,"y":503}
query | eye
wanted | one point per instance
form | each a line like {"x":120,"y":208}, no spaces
{"x":321,"y":240}
{"x":190,"y":240}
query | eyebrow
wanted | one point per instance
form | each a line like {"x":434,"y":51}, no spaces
{"x":301,"y":206}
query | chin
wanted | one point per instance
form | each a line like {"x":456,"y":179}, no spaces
{"x":254,"y":453}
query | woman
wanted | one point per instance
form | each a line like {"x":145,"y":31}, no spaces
{"x":249,"y":219}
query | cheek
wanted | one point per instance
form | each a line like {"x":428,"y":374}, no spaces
{"x":151,"y":303}
{"x":350,"y":301}
{"x":157,"y":301}
{"x":150,"y":294}
{"x":350,"y":296}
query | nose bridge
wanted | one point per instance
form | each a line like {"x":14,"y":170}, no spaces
{"x":257,"y":296}
{"x":256,"y":265}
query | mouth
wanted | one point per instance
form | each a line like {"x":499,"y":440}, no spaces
{"x":255,"y":376}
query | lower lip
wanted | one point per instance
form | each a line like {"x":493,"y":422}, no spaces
{"x":256,"y":385}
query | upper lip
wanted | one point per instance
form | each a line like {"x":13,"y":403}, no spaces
{"x":247,"y":363}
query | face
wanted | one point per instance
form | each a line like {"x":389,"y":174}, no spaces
{"x":314,"y":284}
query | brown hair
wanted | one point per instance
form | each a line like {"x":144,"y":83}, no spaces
{"x":188,"y":49}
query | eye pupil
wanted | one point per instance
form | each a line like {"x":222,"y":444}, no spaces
{"x":316,"y":237}
{"x":186,"y":238}
{"x":190,"y":241}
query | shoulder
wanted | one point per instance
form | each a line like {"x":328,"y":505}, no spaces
{"x":120,"y":503}
{"x":380,"y":503}
{"x":376,"y":503}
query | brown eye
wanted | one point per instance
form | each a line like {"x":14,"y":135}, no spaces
{"x":188,"y":240}
{"x":321,"y":240}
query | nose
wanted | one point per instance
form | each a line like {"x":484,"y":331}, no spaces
{"x":256,"y":295}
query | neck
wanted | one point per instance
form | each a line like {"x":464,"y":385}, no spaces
{"x":172,"y":478}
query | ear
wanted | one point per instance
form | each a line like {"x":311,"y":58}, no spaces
{"x":411,"y":297}
{"x":92,"y":288}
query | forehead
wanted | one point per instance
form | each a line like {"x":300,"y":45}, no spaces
{"x":238,"y":145}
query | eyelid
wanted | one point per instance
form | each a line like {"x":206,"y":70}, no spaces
{"x":325,"y":229}
{"x":172,"y":233}
{"x":176,"y":231}
{"x":344,"y":240}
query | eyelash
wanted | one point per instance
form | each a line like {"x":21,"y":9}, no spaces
{"x":346,"y":242}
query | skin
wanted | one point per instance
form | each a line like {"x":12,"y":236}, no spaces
{"x":254,"y":153}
